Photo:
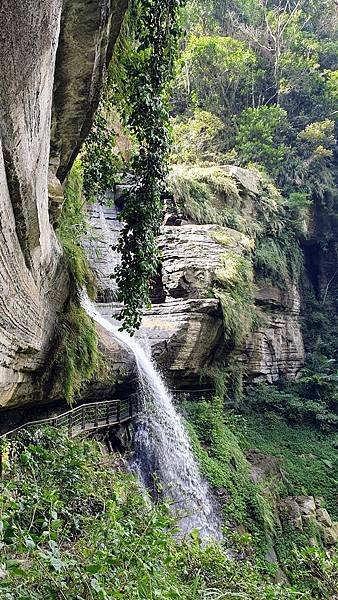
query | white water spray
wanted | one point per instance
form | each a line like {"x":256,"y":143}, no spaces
{"x":162,"y":445}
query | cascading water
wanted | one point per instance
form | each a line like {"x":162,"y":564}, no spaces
{"x":162,"y":445}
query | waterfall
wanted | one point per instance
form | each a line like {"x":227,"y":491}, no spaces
{"x":162,"y":445}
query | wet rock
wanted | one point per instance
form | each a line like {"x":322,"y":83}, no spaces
{"x":182,"y":334}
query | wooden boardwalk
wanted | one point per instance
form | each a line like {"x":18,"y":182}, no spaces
{"x":86,"y":418}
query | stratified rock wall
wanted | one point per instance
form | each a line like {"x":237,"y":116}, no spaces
{"x":276,"y":349}
{"x":184,"y":326}
{"x":33,"y":280}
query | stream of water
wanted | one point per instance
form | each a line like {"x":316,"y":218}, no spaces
{"x":162,"y":446}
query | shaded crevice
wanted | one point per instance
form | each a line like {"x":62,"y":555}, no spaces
{"x":18,"y":193}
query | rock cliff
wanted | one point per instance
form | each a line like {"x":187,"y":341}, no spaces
{"x":184,"y":325}
{"x":52,"y":58}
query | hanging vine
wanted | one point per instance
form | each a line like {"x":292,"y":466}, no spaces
{"x":137,"y":87}
{"x":146,"y":73}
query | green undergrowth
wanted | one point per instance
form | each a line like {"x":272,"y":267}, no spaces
{"x":73,"y":228}
{"x":309,"y":456}
{"x":77,"y":358}
{"x":309,"y":567}
{"x":278,"y":259}
{"x":234,"y":288}
{"x":250,"y":510}
{"x":72,"y":527}
{"x":311,"y":400}
{"x":223,"y":463}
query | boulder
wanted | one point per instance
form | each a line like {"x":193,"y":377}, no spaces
{"x":330,"y":535}
{"x":292,"y":510}
{"x":307,"y":507}
{"x":323,"y":517}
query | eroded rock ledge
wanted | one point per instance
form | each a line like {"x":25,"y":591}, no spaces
{"x":52,"y":58}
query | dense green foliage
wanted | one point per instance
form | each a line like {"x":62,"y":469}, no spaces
{"x":263,"y":77}
{"x":311,"y":399}
{"x":309,"y":456}
{"x":72,"y":528}
{"x":77,"y":358}
{"x":224,"y":465}
{"x":306,"y":464}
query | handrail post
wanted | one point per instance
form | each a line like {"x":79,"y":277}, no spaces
{"x":70,"y":424}
{"x":96,"y":421}
{"x":118,"y":411}
{"x":83,"y":421}
{"x":107,"y":414}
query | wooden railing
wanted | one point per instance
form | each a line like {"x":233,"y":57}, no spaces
{"x":87,"y":417}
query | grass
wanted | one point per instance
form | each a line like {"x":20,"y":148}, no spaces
{"x":77,"y":357}
{"x":234,"y":288}
{"x":204,"y":194}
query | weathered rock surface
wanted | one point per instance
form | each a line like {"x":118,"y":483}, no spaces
{"x":182,"y":334}
{"x":276,"y":347}
{"x":263,"y":466}
{"x":302,"y":510}
{"x":194,"y":257}
{"x":33,"y":280}
{"x":87,"y":36}
{"x":185,"y":330}
{"x":99,"y":245}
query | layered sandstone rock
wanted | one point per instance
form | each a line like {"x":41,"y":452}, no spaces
{"x":275,"y":350}
{"x":184,"y":325}
{"x":52,"y":58}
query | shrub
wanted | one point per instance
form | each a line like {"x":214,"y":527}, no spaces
{"x":297,"y":401}
{"x":260,"y":137}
